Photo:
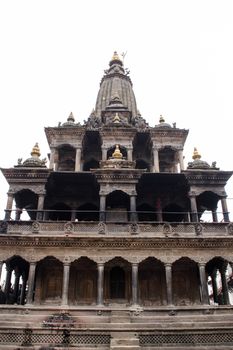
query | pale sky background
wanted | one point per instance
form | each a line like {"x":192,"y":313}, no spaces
{"x":179,"y":53}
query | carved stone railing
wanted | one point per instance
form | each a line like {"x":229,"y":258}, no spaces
{"x":143,"y":229}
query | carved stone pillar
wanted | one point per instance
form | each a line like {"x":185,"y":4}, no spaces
{"x":225,"y":292}
{"x":16,"y":285}
{"x":156,"y":160}
{"x":214,"y":215}
{"x":214,"y":286}
{"x":1,"y":265}
{"x":225,"y":209}
{"x":104,"y":153}
{"x":100,"y":284}
{"x":133,"y":212}
{"x":181,"y":159}
{"x":31,"y":282}
{"x":134,"y":283}
{"x":203,"y":283}
{"x":65,"y":284}
{"x":78,"y":159}
{"x":40,"y":207}
{"x":130,"y":154}
{"x":168,"y":275}
{"x":9,"y":205}
{"x":193,"y":203}
{"x":102,"y":207}
{"x":8,"y":283}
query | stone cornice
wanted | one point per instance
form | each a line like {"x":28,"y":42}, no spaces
{"x":175,"y":133}
{"x":56,"y":133}
{"x":19,"y":175}
{"x":118,"y":175}
{"x":207,"y":177}
{"x":109,"y":243}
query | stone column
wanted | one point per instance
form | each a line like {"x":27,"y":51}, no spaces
{"x":31,"y":282}
{"x":78,"y":159}
{"x":181,"y":159}
{"x":16,"y":285}
{"x":1,"y":265}
{"x":225,"y":209}
{"x":9,"y":205}
{"x":214,"y":286}
{"x":130,"y":154}
{"x":133,"y":212}
{"x":156,"y":160}
{"x":65,"y":285}
{"x":214,"y":215}
{"x":8,"y":283}
{"x":104,"y":153}
{"x":134,"y":283}
{"x":102,"y":207}
{"x":40,"y":207}
{"x":203,"y":282}
{"x":100,"y":284}
{"x":194,"y":215}
{"x":224,"y":285}
{"x":168,"y":275}
{"x":52,"y":158}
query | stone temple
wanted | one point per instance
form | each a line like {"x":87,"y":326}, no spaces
{"x":107,"y":246}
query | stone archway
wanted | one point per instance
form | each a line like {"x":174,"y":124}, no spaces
{"x":152,"y":282}
{"x":117,"y":281}
{"x":185,"y":282}
{"x":49,"y":277}
{"x":83,"y":282}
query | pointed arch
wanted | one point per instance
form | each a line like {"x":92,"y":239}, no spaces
{"x":152,"y":282}
{"x":49,"y":277}
{"x":83,"y":281}
{"x":185,"y":282}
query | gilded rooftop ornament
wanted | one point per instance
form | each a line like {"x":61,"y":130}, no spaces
{"x":161,"y":119}
{"x":196,"y":154}
{"x":117,"y":153}
{"x":115,"y":56}
{"x":35,"y":151}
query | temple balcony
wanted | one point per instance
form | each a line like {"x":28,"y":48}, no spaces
{"x":119,"y":229}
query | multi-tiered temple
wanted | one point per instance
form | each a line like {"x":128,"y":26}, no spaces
{"x":115,"y":242}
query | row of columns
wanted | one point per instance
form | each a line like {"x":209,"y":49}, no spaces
{"x":133,"y":210}
{"x":54,"y":155}
{"x":9,"y":205}
{"x":225,"y":294}
{"x":193,"y":203}
{"x":204,"y":294}
{"x":156,"y":160}
{"x":194,"y":212}
{"x":54,"y":159}
{"x":13,"y":294}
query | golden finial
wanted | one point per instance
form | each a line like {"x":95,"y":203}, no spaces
{"x":35,"y":151}
{"x":115,"y":56}
{"x":116,"y":119}
{"x":117,"y":153}
{"x":196,"y":154}
{"x":71,"y":117}
{"x":161,"y":119}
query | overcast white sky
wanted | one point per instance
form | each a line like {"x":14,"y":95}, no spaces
{"x":179,"y":53}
